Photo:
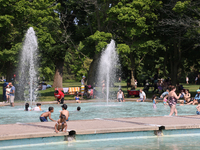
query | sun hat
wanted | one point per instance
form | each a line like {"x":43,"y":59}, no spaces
{"x":83,"y":76}
{"x":198,"y":90}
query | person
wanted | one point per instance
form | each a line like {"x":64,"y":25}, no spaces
{"x":78,"y":108}
{"x":135,"y":83}
{"x":82,"y":86}
{"x":64,"y":112}
{"x":187,"y":80}
{"x":182,"y":94}
{"x":172,"y":97}
{"x":182,"y":103}
{"x":120,"y":96}
{"x":164,"y":94}
{"x":187,"y":96}
{"x":165,"y":100}
{"x":103,"y":89}
{"x":77,"y":98}
{"x":196,"y":80}
{"x":61,"y":124}
{"x":119,"y":79}
{"x":12,"y":94}
{"x":196,"y":98}
{"x":59,"y":95}
{"x":142,"y":96}
{"x":8,"y":93}
{"x":38,"y":107}
{"x":198,"y":108}
{"x":43,"y":117}
{"x":154,"y":101}
{"x":27,"y":108}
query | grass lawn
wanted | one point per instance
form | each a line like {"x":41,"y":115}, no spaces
{"x":48,"y":94}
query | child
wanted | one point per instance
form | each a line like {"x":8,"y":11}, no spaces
{"x":61,"y":124}
{"x":43,"y":117}
{"x":64,"y":112}
{"x":27,"y":108}
{"x":77,"y":98}
{"x":182,"y":103}
{"x":165,"y":100}
{"x":8,"y":93}
{"x":154,"y":101}
{"x":38,"y":108}
{"x":78,"y":108}
{"x":198,"y":108}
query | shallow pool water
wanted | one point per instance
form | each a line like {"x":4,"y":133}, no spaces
{"x":113,"y":141}
{"x":11,"y":115}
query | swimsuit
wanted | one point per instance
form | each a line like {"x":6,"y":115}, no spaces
{"x":198,"y":113}
{"x":43,"y":119}
{"x":172,"y":101}
{"x":165,"y":101}
{"x":154,"y":104}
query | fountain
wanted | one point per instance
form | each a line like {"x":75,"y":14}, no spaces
{"x":107,"y":67}
{"x":28,"y":67}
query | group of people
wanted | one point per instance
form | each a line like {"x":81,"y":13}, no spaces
{"x":61,"y":123}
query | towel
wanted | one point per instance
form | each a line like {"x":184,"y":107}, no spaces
{"x":65,"y":90}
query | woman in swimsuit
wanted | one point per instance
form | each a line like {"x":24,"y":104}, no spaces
{"x":173,"y":100}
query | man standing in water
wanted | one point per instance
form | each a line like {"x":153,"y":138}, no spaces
{"x":12,"y":94}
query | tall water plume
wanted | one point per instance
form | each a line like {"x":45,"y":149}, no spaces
{"x":28,"y":68}
{"x":108,"y":68}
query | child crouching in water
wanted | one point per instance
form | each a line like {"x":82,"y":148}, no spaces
{"x":61,"y":124}
{"x":198,"y":108}
{"x":154,"y":101}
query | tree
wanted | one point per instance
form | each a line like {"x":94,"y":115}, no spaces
{"x":132,"y":23}
{"x":179,"y":31}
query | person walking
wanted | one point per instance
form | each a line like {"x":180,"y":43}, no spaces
{"x":12,"y":94}
{"x":172,"y":97}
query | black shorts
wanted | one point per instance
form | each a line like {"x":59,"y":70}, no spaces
{"x":62,"y":100}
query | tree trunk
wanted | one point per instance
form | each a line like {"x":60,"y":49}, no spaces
{"x":93,"y":70}
{"x":132,"y":70}
{"x":58,"y":77}
{"x":9,"y":72}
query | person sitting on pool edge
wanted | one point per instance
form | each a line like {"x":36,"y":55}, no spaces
{"x":196,"y":98}
{"x":77,"y":98}
{"x":142,"y":96}
{"x":64,"y":112}
{"x":43,"y":117}
{"x":61,"y":124}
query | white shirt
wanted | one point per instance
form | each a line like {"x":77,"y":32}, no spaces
{"x":36,"y":109}
{"x":82,"y":81}
{"x":120,"y":95}
{"x":142,"y":95}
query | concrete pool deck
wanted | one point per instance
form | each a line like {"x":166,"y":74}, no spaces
{"x":98,"y":125}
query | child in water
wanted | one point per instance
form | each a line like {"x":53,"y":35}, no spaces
{"x":78,"y":108}
{"x":43,"y":117}
{"x":154,"y":101}
{"x":198,"y":108}
{"x":165,"y":100}
{"x":77,"y":98}
{"x":27,"y":108}
{"x":61,"y":124}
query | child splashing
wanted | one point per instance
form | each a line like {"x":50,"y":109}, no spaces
{"x":154,"y":101}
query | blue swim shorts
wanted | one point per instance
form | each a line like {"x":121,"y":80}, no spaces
{"x":198,"y":113}
{"x":43,"y":119}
